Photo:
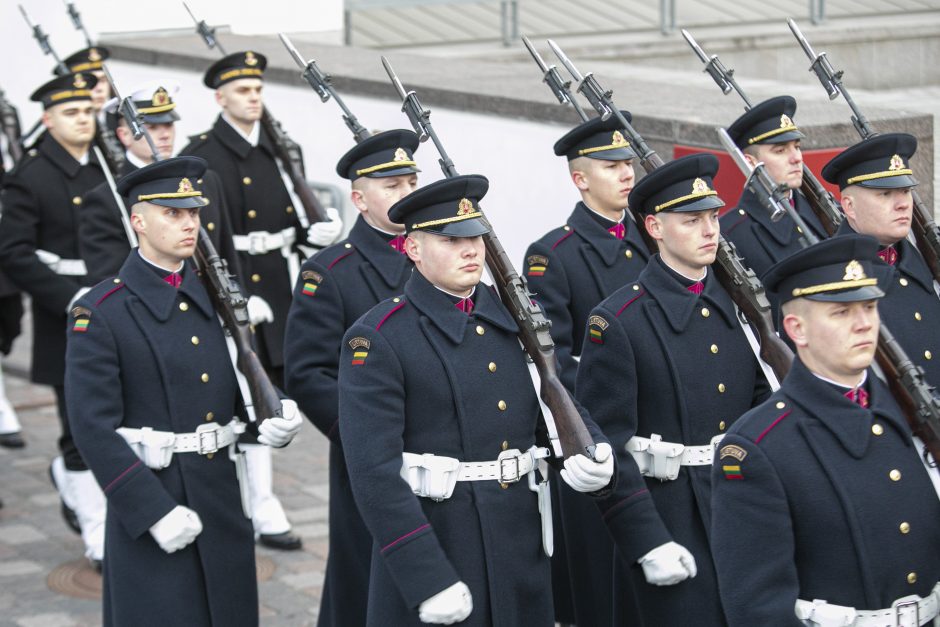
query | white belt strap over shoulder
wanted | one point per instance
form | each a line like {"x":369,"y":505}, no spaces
{"x":909,"y":611}
{"x":156,"y":448}
{"x":63,"y":267}
{"x":262,"y":242}
{"x":661,"y":460}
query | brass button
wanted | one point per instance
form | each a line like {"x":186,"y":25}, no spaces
{"x":203,"y":136}
{"x":194,"y":340}
{"x":289,"y":209}
{"x":636,"y":288}
{"x":799,"y":230}
{"x":396,"y":300}
{"x":210,"y":455}
{"x":501,"y":405}
{"x":504,"y":485}
{"x":781,"y":404}
{"x":629,"y":254}
{"x":741,"y":211}
{"x":895,"y":475}
{"x":247,"y":180}
{"x":492,"y":366}
{"x":117,"y":280}
{"x":721,"y":388}
{"x":722,"y":425}
{"x":255,"y":278}
{"x":567,"y":228}
{"x":928,"y":355}
{"x":917,"y":316}
{"x":252,"y":213}
{"x":714,"y":348}
{"x":211,"y":226}
{"x":480,"y":330}
{"x":77,"y":200}
{"x":877,"y":429}
{"x":905,"y":527}
{"x":204,"y":377}
{"x":903,"y":282}
{"x":184,"y":306}
{"x":705,"y":312}
{"x":912,"y":578}
{"x":505,"y":445}
{"x":347,"y":245}
{"x":210,"y":416}
{"x":198,"y":181}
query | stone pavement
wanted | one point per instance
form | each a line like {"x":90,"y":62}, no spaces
{"x":34,"y":540}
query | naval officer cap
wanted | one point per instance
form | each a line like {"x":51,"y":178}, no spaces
{"x":770,"y":122}
{"x":87,"y":59}
{"x":836,"y":270}
{"x":153,"y":101}
{"x":449,"y":207}
{"x":597,"y":139}
{"x":879,"y":162}
{"x":390,"y":153}
{"x":168,"y":183}
{"x":683,"y":185}
{"x":67,"y":88}
{"x":245,"y":64}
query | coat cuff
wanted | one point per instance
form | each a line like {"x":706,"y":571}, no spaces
{"x":418,"y":565}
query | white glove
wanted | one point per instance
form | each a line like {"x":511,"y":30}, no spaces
{"x":326,"y":232}
{"x":278,"y":432}
{"x":177,"y":529}
{"x":668,"y":564}
{"x":586,"y":475}
{"x":450,"y":605}
{"x":81,"y":292}
{"x":259,"y":311}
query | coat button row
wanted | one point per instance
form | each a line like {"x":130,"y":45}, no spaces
{"x":204,"y":377}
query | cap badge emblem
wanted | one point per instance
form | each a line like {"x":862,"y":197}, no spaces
{"x":699,"y":186}
{"x":854,"y":271}
{"x":185,"y":186}
{"x":160,"y":97}
{"x":94,"y":55}
{"x":897,"y":163}
{"x":250,"y":59}
{"x":80,"y":82}
{"x":400,"y":155}
{"x":617,"y":139}
{"x":464,"y":207}
{"x":785,"y":121}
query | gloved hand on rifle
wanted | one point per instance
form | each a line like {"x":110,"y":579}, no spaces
{"x":278,"y":432}
{"x":587,"y":475}
{"x":259,"y":311}
{"x":324,"y":233}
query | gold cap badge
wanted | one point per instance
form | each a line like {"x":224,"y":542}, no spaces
{"x":94,"y":55}
{"x":80,"y":82}
{"x":464,"y":207}
{"x":160,"y":97}
{"x":854,"y":271}
{"x":785,"y":121}
{"x":401,"y":155}
{"x":897,"y":163}
{"x":185,"y":186}
{"x":250,"y":59}
{"x":617,"y":139}
{"x":699,"y":186}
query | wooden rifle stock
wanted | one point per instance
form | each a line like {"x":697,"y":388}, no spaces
{"x":289,"y":154}
{"x":230,"y":304}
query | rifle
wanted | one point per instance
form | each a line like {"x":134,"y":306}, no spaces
{"x":820,"y":199}
{"x":513,"y":291}
{"x":77,"y":21}
{"x":285,"y":148}
{"x":738,"y":280}
{"x":925,"y":229}
{"x":322,"y":84}
{"x":106,"y":148}
{"x":905,"y":380}
{"x":10,"y":127}
{"x":555,"y":82}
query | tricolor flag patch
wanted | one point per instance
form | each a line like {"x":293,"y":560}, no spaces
{"x":82,"y":318}
{"x":596,"y":327}
{"x":309,"y":288}
{"x":81,"y":325}
{"x":311,"y":281}
{"x":536,"y":265}
{"x":732,"y":471}
{"x":360,"y":348}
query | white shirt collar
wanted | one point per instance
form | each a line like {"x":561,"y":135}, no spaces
{"x":83,"y":160}
{"x":159,"y":267}
{"x":623,"y":213}
{"x":135,"y":160}
{"x":470,"y":295}
{"x":252,"y":138}
{"x":842,"y":385}
{"x":701,"y":278}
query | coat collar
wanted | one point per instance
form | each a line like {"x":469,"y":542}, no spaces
{"x":677,"y":302}
{"x":389,"y":263}
{"x":849,"y":422}
{"x":910,"y":263}
{"x":54,"y":152}
{"x":230,"y":138}
{"x":452,"y":322}
{"x":608,"y":247}
{"x":158,"y":295}
{"x":784,"y":230}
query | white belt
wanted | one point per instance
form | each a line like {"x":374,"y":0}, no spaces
{"x":434,"y":476}
{"x":661,"y":460}
{"x":65,"y":267}
{"x":909,"y":611}
{"x":262,"y":242}
{"x":156,"y":448}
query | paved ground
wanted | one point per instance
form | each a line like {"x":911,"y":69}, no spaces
{"x":34,"y":540}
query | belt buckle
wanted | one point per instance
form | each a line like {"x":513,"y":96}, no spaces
{"x":210,"y":435}
{"x":257,"y":243}
{"x":502,"y":470}
{"x":904,"y":604}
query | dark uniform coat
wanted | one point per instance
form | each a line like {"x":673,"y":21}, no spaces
{"x":570,"y":270}
{"x":660,"y":359}
{"x":817,"y":512}
{"x":42,"y":199}
{"x":257,"y":200}
{"x":335,"y":288}
{"x":11,"y":302}
{"x":911,"y":307}
{"x":103,"y":242}
{"x":419,"y":375}
{"x":138,"y":364}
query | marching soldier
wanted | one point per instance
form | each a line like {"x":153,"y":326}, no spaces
{"x":92,"y":60}
{"x":820,"y":500}
{"x":431,"y":384}
{"x":571,"y":269}
{"x":42,"y":199}
{"x":767,"y":134}
{"x":336,"y":287}
{"x":11,"y":314}
{"x":267,"y":232}
{"x":155,"y":402}
{"x":876,"y":183}
{"x":666,"y":369}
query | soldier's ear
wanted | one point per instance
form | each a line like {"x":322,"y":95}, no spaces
{"x":795,"y":328}
{"x":580,"y":180}
{"x":848,"y":206}
{"x":46,"y":119}
{"x":751,"y":159}
{"x":358,"y":199}
{"x":654,"y":226}
{"x":413,"y":246}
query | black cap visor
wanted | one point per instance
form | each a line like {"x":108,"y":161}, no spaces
{"x":190,"y":202}
{"x":870,"y":292}
{"x":463,"y":228}
{"x":890,"y":182}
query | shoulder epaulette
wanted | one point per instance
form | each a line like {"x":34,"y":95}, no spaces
{"x":329,"y":257}
{"x":104,"y":290}
{"x":739,"y":216}
{"x":760,"y":421}
{"x":568,"y":231}
{"x":379,"y":315}
{"x":638,"y":292}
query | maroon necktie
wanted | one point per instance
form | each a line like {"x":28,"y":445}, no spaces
{"x":889,"y":255}
{"x":696,"y":288}
{"x":858,"y":395}
{"x":465,"y":305}
{"x":174,"y":278}
{"x":398,"y":243}
{"x":618,"y":230}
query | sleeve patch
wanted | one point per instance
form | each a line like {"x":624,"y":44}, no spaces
{"x":537,"y":264}
{"x":360,"y":347}
{"x":311,"y":281}
{"x":81,"y":319}
{"x":596,"y":327}
{"x":732,"y":472}
{"x":732,"y":450}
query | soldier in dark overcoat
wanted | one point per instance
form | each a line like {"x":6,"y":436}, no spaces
{"x":336,"y":287}
{"x":154,"y":402}
{"x":433,"y":388}
{"x":823,"y":508}
{"x":42,"y":199}
{"x":571,"y":269}
{"x":666,"y":369}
